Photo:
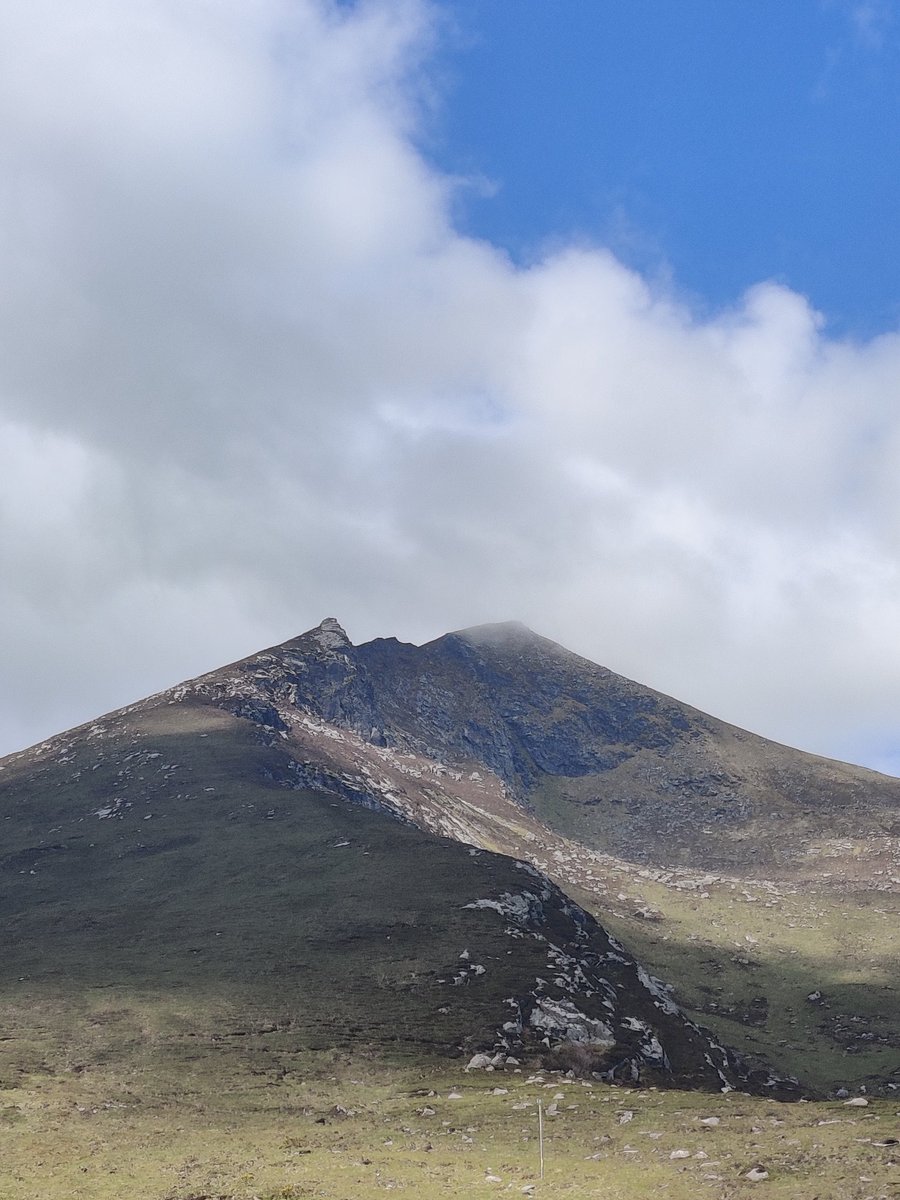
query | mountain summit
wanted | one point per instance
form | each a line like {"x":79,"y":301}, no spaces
{"x":384,"y":844}
{"x":623,"y":768}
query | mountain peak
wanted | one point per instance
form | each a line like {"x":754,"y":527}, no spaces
{"x":329,"y":635}
{"x":499,"y":633}
{"x":499,"y":629}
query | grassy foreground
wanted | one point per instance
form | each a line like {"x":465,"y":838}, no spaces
{"x":169,"y":1117}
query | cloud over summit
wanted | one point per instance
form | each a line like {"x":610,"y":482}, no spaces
{"x":250,"y":374}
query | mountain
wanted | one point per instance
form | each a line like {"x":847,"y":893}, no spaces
{"x":439,"y":848}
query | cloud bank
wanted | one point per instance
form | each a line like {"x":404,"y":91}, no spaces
{"x":251,"y":375}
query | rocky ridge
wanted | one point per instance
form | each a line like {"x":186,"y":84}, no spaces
{"x":496,"y":729}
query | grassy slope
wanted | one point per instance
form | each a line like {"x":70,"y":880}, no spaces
{"x":730,"y":801}
{"x":727,"y":955}
{"x":729,"y":939}
{"x":212,"y":876}
{"x":727,"y":943}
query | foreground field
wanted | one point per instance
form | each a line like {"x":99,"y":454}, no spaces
{"x":255,"y":1116}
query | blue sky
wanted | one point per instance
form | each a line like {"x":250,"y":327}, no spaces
{"x":724,"y":141}
{"x":422,"y":314}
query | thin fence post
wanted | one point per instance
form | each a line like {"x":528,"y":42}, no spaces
{"x":541,"y":1134}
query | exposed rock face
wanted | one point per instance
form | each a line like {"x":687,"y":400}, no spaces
{"x":593,"y":996}
{"x":499,"y":696}
{"x":619,"y":766}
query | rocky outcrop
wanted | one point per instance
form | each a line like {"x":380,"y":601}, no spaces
{"x":594,"y":1009}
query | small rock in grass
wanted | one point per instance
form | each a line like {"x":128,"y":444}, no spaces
{"x":757,"y":1174}
{"x":857,"y":1102}
{"x":680,"y":1154}
{"x":711,"y":1122}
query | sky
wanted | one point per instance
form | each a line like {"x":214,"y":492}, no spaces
{"x":425,"y":314}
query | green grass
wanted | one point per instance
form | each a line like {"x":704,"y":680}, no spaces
{"x":725,"y":953}
{"x":743,"y":953}
{"x":180,"y":1118}
{"x":251,"y":894}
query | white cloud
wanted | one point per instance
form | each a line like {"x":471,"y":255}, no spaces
{"x":252,"y":376}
